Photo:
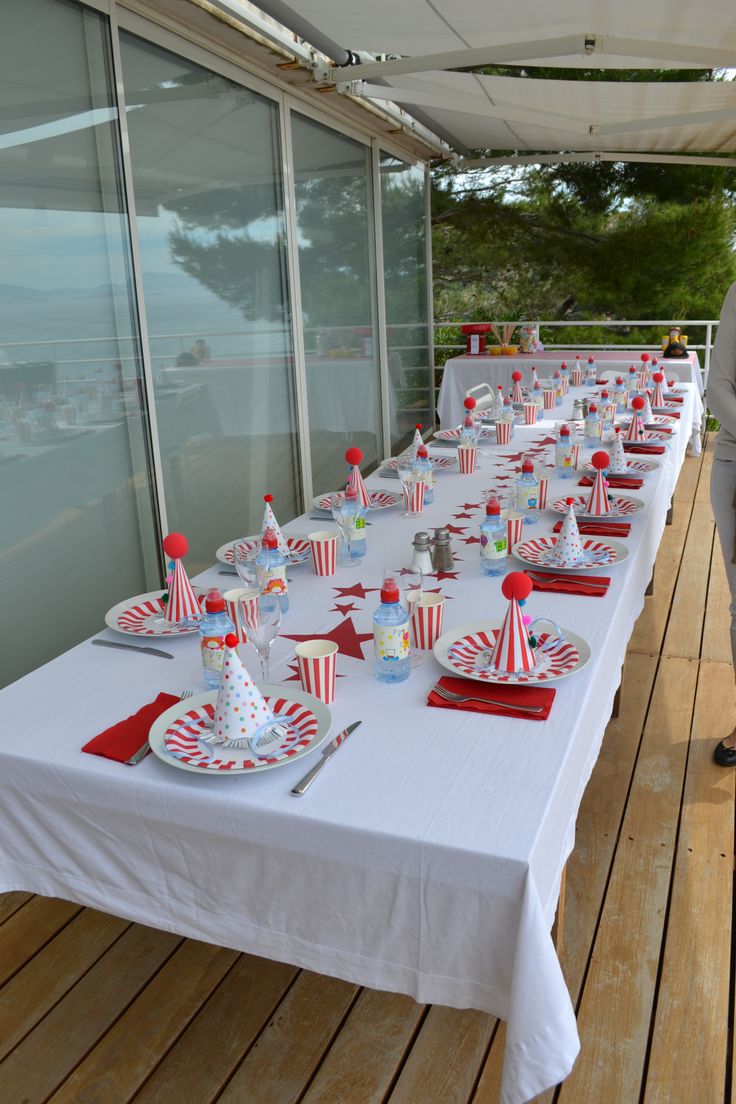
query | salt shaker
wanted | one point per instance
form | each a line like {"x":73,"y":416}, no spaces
{"x":577,"y":410}
{"x":441,"y":550}
{"x":422,"y":556}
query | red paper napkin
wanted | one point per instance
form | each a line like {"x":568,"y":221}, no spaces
{"x":670,"y":396}
{"x":657,"y":427}
{"x":122,"y":740}
{"x":589,"y":586}
{"x":644,"y":450}
{"x":625,"y":483}
{"x":508,"y":696}
{"x":666,"y":411}
{"x":600,"y":528}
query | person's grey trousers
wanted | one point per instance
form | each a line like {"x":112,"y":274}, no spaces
{"x":722,"y":492}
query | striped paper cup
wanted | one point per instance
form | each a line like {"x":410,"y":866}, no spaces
{"x":237,"y":601}
{"x":514,"y":526}
{"x":426,"y":620}
{"x":641,"y":380}
{"x":317,"y":662}
{"x":414,"y":497}
{"x":466,"y":455}
{"x":324,"y":552}
{"x":503,"y":433}
{"x":575,"y":456}
{"x":543,"y":489}
{"x":549,"y":396}
{"x":530,"y":413}
{"x":577,"y":377}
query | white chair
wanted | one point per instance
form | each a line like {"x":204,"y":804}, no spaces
{"x":484,"y":396}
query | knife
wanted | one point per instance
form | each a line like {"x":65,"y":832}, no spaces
{"x":303,"y":785}
{"x":132,"y":648}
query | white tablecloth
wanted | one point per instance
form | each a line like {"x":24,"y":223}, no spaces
{"x":426,"y":859}
{"x":463,"y":372}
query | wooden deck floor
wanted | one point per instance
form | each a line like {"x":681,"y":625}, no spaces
{"x":94,"y":1010}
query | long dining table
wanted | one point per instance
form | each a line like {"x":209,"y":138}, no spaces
{"x":427,"y":857}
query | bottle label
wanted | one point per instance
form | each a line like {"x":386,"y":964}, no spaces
{"x":274,"y":581}
{"x":213,"y":652}
{"x":493,"y":548}
{"x":526,"y":498}
{"x":563,"y":456}
{"x":357,"y":529}
{"x":391,"y":642}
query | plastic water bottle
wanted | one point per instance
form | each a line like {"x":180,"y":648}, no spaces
{"x":391,"y":648}
{"x":631,"y":380}
{"x":213,"y":628}
{"x":607,"y":416}
{"x":619,"y":393}
{"x":423,"y":466}
{"x":559,"y":389}
{"x":592,"y":373}
{"x":593,"y":427}
{"x":565,"y":373}
{"x":493,"y":540}
{"x":273,"y":566}
{"x":563,"y":453}
{"x":353,"y":507}
{"x":526,"y":493}
{"x":498,"y":410}
{"x":468,"y":434}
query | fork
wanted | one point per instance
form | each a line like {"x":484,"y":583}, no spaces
{"x":544,"y":577}
{"x":450,"y":696}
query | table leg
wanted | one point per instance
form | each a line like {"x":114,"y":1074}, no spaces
{"x":616,"y":704}
{"x":650,"y":589}
{"x":670,"y":513}
{"x":558,"y":928}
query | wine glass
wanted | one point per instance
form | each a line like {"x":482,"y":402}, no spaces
{"x":344,"y":515}
{"x":412,"y":586}
{"x":262,"y":620}
{"x":249,"y":570}
{"x":408,"y":477}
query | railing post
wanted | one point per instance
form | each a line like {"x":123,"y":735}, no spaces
{"x":706,"y":359}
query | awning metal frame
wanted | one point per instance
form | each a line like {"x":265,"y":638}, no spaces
{"x":521,"y":160}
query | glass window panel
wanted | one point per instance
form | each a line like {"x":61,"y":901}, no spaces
{"x":404,"y":218}
{"x":336,"y":272}
{"x":77,"y":532}
{"x":210,"y":221}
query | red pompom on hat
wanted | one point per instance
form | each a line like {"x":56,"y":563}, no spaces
{"x":418,"y":425}
{"x":469,"y":403}
{"x":231,"y":640}
{"x":354,"y":455}
{"x":569,"y":501}
{"x":658,"y":377}
{"x":268,"y":498}
{"x":516,"y":376}
{"x":517,"y":585}
{"x":176,"y":545}
{"x":644,"y":357}
{"x":600,"y":459}
{"x":637,"y":402}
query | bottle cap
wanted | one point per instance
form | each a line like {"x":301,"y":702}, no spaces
{"x":619,"y":379}
{"x":564,"y":431}
{"x":564,"y":365}
{"x":214,"y":602}
{"x":389,"y":590}
{"x":591,"y":360}
{"x":527,"y":466}
{"x":421,"y":540}
{"x":592,"y":408}
{"x":604,"y":394}
{"x":631,"y":369}
{"x":493,"y":507}
{"x":270,"y":540}
{"x":422,"y":452}
{"x":442,"y":535}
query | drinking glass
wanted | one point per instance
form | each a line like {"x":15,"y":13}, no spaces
{"x":249,"y":571}
{"x":262,"y":620}
{"x":412,"y":587}
{"x":408,"y":477}
{"x":345,"y":519}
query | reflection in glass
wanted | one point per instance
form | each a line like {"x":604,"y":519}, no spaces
{"x":403,"y":214}
{"x":77,"y":533}
{"x":336,"y":272}
{"x":210,"y":221}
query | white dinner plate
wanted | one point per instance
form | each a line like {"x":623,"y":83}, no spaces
{"x":460,"y":649}
{"x":439,"y":462}
{"x":621,"y":506}
{"x":601,"y":553}
{"x":177,"y":727}
{"x":298,"y":546}
{"x":636,"y":467}
{"x":486,"y":431}
{"x":143,"y":616}
{"x":380,"y":500}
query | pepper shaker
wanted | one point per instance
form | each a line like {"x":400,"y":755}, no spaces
{"x":441,"y":550}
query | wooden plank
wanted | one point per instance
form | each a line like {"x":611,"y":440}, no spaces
{"x":692,"y":1000}
{"x":685,"y":624}
{"x":52,"y":972}
{"x":702,"y":492}
{"x":290,"y":1049}
{"x":75,"y":1024}
{"x":687,"y":482}
{"x":446,"y":1058}
{"x":717,"y":628}
{"x":234,"y":1015}
{"x":650,"y":628}
{"x":115,"y":1069}
{"x":364,"y":1060}
{"x":11,"y":902}
{"x":29,"y":929}
{"x":619,"y":988}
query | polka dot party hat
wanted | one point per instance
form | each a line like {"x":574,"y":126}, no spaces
{"x":569,"y":547}
{"x":270,"y":522}
{"x":240,"y":711}
{"x":618,"y":465}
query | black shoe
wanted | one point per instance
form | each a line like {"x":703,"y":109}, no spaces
{"x":726,"y":756}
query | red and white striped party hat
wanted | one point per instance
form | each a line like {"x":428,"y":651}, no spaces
{"x":270,"y":522}
{"x":598,"y":503}
{"x":512,"y":651}
{"x":354,"y":456}
{"x":182,"y":602}
{"x":240,"y":710}
{"x":658,"y":396}
{"x":569,"y":546}
{"x":516,"y":392}
{"x":635,"y":432}
{"x":618,"y":465}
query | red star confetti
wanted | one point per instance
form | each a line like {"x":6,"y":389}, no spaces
{"x":357,"y":590}
{"x":349,"y":641}
{"x":438,"y":590}
{"x":457,"y":529}
{"x":470,"y":540}
{"x":439,"y":576}
{"x":512,"y":457}
{"x":344,"y":608}
{"x":462,"y":515}
{"x":471,"y":505}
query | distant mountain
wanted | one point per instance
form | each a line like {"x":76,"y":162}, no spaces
{"x":153,"y":283}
